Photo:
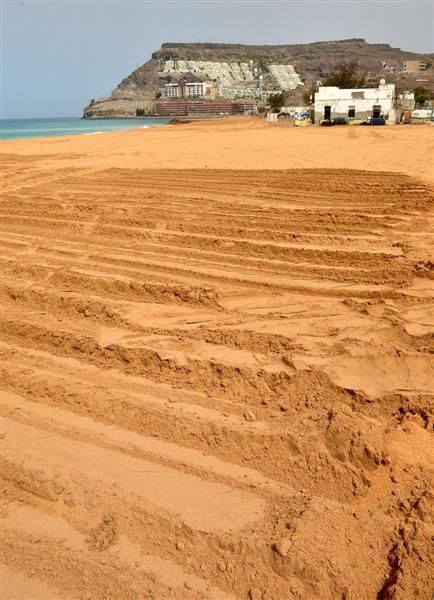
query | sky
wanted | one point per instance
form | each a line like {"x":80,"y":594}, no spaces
{"x":56,"y":55}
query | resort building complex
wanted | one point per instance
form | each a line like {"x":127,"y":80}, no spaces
{"x":236,"y":80}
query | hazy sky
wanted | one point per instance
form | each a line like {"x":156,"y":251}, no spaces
{"x":56,"y":55}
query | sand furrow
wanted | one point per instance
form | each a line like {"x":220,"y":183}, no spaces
{"x":217,"y":384}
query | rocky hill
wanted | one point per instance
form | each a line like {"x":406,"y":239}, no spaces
{"x":311,"y":61}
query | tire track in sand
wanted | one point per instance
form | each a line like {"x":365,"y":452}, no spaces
{"x":216,"y":384}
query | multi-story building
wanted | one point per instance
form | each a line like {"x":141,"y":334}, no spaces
{"x":198,"y":89}
{"x":172,"y":90}
{"x":182,"y":89}
{"x":414,"y":66}
{"x":231,"y":80}
{"x":238,"y":92}
{"x":285,"y":76}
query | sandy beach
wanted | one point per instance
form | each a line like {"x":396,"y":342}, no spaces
{"x":242,"y":144}
{"x":218,"y":364}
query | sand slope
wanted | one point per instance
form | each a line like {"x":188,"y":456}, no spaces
{"x":217,"y":383}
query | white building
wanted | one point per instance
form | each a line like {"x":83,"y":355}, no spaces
{"x":233,"y":93}
{"x":172,"y":90}
{"x":198,"y":89}
{"x":285,"y":76}
{"x":333,"y":102}
{"x":186,"y":90}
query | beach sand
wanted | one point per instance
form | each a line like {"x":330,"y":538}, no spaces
{"x":217,"y":362}
{"x":242,"y":144}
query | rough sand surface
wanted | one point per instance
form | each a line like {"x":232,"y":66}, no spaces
{"x":218,"y":384}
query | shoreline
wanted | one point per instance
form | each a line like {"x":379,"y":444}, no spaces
{"x":174,"y":120}
{"x":134,"y":118}
{"x":51,"y":128}
{"x":195,"y":117}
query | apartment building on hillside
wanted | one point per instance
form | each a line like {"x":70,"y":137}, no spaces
{"x":182,"y":89}
{"x":414,"y":66}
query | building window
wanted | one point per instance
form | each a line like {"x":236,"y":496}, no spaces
{"x":351,"y":112}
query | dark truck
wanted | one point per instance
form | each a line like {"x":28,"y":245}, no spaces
{"x":374,"y":121}
{"x":331,"y":122}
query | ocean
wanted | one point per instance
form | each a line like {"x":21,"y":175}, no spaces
{"x":12,"y":129}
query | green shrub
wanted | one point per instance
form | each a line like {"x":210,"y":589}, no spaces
{"x":421,"y":95}
{"x":275,"y":101}
{"x":346,"y":76}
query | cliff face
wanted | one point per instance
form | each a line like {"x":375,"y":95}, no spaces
{"x":311,"y":61}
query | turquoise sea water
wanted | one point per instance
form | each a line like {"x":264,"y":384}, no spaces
{"x":12,"y":129}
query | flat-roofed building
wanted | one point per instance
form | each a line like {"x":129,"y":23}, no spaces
{"x":172,"y":90}
{"x":182,"y":89}
{"x":333,"y":102}
{"x":197,"y":89}
{"x":414,"y":66}
{"x":361,"y":104}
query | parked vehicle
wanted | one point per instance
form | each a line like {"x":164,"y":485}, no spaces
{"x":336,"y":121}
{"x":423,"y":114}
{"x":374,"y":121}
